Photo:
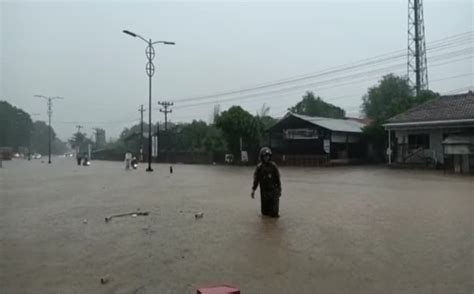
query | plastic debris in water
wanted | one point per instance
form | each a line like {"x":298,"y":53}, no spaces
{"x":199,"y":215}
{"x":104,"y":280}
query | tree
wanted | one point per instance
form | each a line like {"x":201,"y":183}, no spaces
{"x":393,"y":95}
{"x":196,"y":136}
{"x":236,"y":123}
{"x":214,"y":141}
{"x":15,"y":126}
{"x":40,"y":138}
{"x":264,"y":110}
{"x":263,"y":115}
{"x":216,"y":111}
{"x":315,"y":106}
{"x":80,"y":141}
{"x":58,"y":147}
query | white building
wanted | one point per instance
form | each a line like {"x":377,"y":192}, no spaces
{"x":438,"y":133}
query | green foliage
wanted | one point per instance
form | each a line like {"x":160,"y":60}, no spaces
{"x":191,"y":136}
{"x":266,"y":121}
{"x":40,"y":138}
{"x":393,"y":95}
{"x":390,"y":97}
{"x":214,"y":141}
{"x":237,"y":123}
{"x":58,"y":147}
{"x":315,"y":106}
{"x":15,"y":126}
{"x":424,"y":96}
{"x":80,"y":141}
{"x":18,"y":130}
{"x":196,"y":136}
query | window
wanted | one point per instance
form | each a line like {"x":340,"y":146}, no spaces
{"x":419,"y":141}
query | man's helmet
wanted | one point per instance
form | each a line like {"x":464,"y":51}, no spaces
{"x":265,"y":151}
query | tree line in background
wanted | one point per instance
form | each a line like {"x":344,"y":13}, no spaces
{"x":228,"y":129}
{"x":19,"y":132}
{"x":236,"y":128}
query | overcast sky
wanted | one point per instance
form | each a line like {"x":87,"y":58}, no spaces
{"x":77,"y":50}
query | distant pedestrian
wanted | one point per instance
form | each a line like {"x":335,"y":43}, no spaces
{"x":128,"y":159}
{"x":267,"y":176}
{"x":78,"y":158}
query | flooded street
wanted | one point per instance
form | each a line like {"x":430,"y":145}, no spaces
{"x":342,"y":230}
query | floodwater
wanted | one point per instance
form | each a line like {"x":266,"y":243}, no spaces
{"x":342,"y":230}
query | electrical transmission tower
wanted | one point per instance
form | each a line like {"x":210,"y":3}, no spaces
{"x":417,"y":67}
{"x":165,"y":110}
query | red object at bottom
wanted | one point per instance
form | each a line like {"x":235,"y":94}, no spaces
{"x":219,"y":290}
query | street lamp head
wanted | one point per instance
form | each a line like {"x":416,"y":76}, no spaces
{"x":129,"y":33}
{"x":168,"y":43}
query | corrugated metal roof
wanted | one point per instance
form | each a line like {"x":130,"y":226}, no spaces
{"x":333,"y":124}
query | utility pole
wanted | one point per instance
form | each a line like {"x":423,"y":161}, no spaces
{"x":141,"y":110}
{"x":79,"y":128}
{"x":417,"y":68}
{"x":50,"y":112}
{"x":165,"y":110}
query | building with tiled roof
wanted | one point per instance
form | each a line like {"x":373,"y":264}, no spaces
{"x":439,"y":132}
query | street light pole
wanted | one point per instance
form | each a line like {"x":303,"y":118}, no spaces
{"x":150,"y":71}
{"x":50,"y":112}
{"x":141,"y":132}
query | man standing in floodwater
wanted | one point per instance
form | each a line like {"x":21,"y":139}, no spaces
{"x":268,"y":177}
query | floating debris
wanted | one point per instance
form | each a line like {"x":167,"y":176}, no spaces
{"x":104,"y":280}
{"x":199,"y":215}
{"x":133,"y":214}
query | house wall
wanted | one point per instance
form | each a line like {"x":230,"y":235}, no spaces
{"x":436,"y":139}
{"x":339,"y":143}
{"x":435,"y":150}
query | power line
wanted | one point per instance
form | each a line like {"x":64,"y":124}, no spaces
{"x":359,"y":77}
{"x":355,"y":95}
{"x":96,"y":122}
{"x":365,"y":62}
{"x":355,"y":75}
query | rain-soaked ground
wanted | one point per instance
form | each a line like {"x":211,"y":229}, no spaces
{"x":343,"y":230}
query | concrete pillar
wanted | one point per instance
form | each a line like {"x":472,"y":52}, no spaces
{"x":465,"y":164}
{"x":389,"y":150}
{"x":457,"y":163}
